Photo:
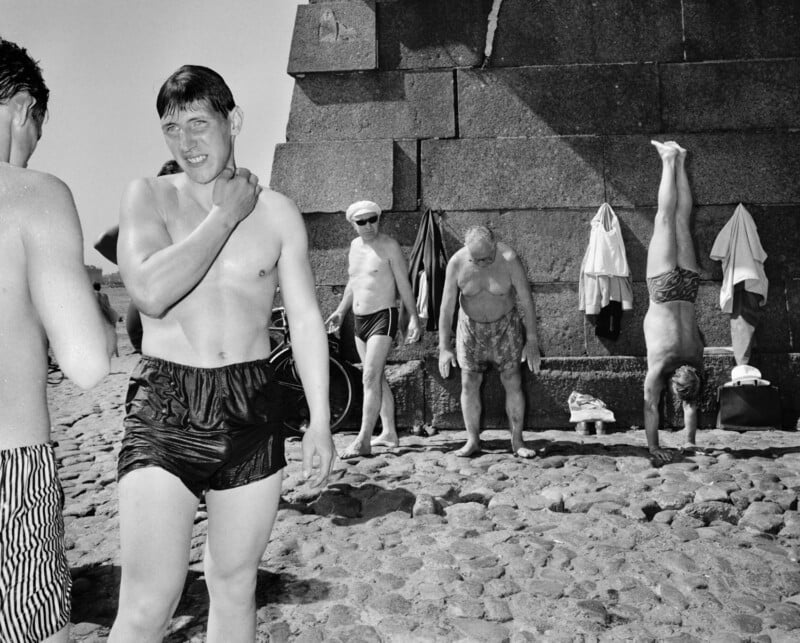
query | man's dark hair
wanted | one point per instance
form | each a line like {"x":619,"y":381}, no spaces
{"x":21,"y":73}
{"x":686,"y":385}
{"x":170,"y":167}
{"x":194,"y":84}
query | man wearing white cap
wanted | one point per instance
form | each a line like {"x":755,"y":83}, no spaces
{"x":378,"y":275}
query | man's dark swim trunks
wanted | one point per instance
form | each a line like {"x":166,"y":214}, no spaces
{"x":678,"y":284}
{"x":214,"y":428}
{"x":384,"y":322}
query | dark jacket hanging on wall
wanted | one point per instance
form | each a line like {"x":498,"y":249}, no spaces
{"x":426,"y":270}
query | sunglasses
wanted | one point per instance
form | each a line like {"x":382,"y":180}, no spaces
{"x":371,"y":219}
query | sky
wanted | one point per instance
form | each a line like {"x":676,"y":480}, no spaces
{"x":104,"y":61}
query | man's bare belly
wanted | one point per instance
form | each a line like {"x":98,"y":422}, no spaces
{"x":208,"y":332}
{"x":485,"y":307}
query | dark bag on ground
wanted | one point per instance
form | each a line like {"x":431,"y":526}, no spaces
{"x":748,"y":407}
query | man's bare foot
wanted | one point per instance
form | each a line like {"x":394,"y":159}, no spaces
{"x":673,"y":144}
{"x":470,"y":448}
{"x":665,"y":150}
{"x":355,"y":450}
{"x":524,"y":452}
{"x":386,"y":439}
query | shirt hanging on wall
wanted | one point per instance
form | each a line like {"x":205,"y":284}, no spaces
{"x":604,"y":287}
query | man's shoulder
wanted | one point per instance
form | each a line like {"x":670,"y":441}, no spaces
{"x":506,"y":251}
{"x":28,"y":191}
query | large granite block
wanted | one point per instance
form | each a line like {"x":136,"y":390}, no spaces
{"x":724,"y":168}
{"x":471,"y":174}
{"x":731,"y":95}
{"x":405,"y":190}
{"x":741,"y":29}
{"x":427,"y":34}
{"x":559,"y":323}
{"x":563,"y":100}
{"x":335,"y":36}
{"x":372,"y":106}
{"x":330,"y":175}
{"x":559,"y":32}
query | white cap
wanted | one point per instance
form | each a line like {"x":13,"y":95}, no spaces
{"x":362,"y":207}
{"x":746,"y":374}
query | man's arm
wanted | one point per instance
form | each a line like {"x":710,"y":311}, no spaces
{"x":653,"y":386}
{"x":447,"y":358}
{"x":310,"y":342}
{"x":157,"y":272}
{"x":81,"y":339}
{"x":530,"y":353}
{"x":334,"y":321}
{"x":400,"y":270}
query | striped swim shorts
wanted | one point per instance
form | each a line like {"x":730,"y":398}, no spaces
{"x":35,"y":581}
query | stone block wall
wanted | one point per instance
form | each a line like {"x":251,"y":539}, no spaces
{"x":527,"y":116}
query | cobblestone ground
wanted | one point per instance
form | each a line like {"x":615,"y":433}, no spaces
{"x":589,"y":542}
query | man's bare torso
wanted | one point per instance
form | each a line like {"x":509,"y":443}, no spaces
{"x":224,"y":319}
{"x":371,"y":276}
{"x":672,"y":336}
{"x":486,"y":293}
{"x":24,"y":417}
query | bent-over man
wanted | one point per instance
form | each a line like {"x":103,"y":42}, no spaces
{"x":485,"y":277}
{"x":201,"y":254}
{"x":674,"y":344}
{"x":378,"y":275}
{"x":46,"y":302}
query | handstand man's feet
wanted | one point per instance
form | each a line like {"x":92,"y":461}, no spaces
{"x":386,"y":439}
{"x":356,"y":449}
{"x":673,"y":144}
{"x":470,"y":448}
{"x":666,"y":150}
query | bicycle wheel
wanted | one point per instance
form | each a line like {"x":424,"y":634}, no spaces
{"x":295,"y":406}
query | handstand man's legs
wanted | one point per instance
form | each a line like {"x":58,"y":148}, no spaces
{"x":662,"y":254}
{"x":685,"y":245}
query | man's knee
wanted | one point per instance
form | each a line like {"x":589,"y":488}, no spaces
{"x":234,"y":582}
{"x":148,"y":610}
{"x":511,"y":379}
{"x":372,"y":376}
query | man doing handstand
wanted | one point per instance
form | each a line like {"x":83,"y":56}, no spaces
{"x":674,"y":345}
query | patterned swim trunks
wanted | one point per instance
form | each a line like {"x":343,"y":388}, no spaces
{"x":678,"y":284}
{"x":482,"y":344}
{"x":34,"y":575}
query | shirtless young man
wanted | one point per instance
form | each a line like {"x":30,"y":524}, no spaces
{"x":485,"y":276}
{"x":674,"y":345}
{"x":202,"y":253}
{"x":378,"y":275}
{"x":46,"y":299}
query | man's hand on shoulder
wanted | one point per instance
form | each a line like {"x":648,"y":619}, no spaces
{"x":236,"y":193}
